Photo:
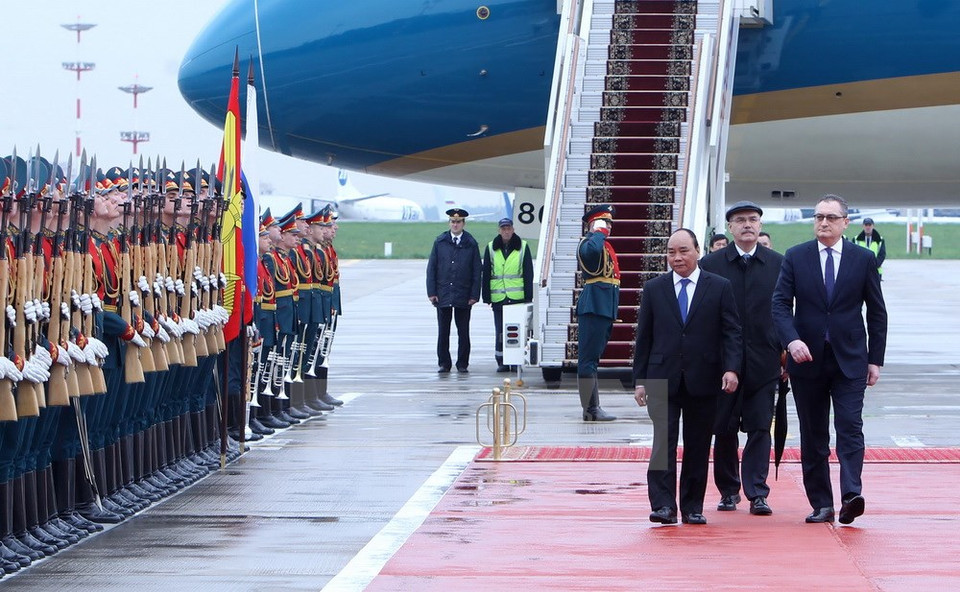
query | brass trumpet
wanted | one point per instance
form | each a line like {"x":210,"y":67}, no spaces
{"x":279,"y":368}
{"x":255,"y":369}
{"x":266,"y":374}
{"x":312,"y":360}
{"x":302,"y":348}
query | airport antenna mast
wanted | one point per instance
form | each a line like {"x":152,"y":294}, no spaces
{"x":79,"y":67}
{"x":135,"y":137}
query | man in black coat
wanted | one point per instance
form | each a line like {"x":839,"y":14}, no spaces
{"x":818,"y":312}
{"x":453,"y":286}
{"x":752,"y":270}
{"x":688,"y":353}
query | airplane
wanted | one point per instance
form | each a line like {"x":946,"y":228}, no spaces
{"x":353,"y":205}
{"x":841,"y":96}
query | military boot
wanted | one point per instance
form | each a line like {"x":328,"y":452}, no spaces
{"x":589,"y":391}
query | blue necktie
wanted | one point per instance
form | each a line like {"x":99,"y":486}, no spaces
{"x":829,"y":276}
{"x":682,"y":299}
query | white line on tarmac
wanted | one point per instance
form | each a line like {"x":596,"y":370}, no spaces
{"x":907,"y":441}
{"x":365,"y":565}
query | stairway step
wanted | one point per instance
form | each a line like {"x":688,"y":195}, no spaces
{"x":649,"y":67}
{"x":635,"y":145}
{"x":619,"y":178}
{"x":621,"y":131}
{"x":645,"y":98}
{"x":633,"y":51}
{"x":643,"y":114}
{"x":617,"y":353}
{"x":632,"y":36}
{"x":662,"y":22}
{"x":655,"y":82}
{"x":638,"y":228}
{"x":654,"y":6}
{"x":595,"y":195}
{"x":619,"y":332}
{"x":634,"y":161}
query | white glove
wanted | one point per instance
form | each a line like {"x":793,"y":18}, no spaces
{"x":205,"y":281}
{"x":64,"y":311}
{"x":98,"y":347}
{"x":42,"y":354}
{"x":9,"y":370}
{"x":12,"y":315}
{"x":162,"y":335}
{"x":76,"y":354}
{"x":90,"y":355}
{"x":179,"y":287}
{"x":158,"y":289}
{"x":189,"y":326}
{"x":197,"y":273}
{"x":44,"y":309}
{"x":29,"y":312}
{"x":63,"y":358}
{"x":168,"y":283}
{"x":193,"y":288}
{"x":214,"y":281}
{"x":75,"y":298}
{"x":223,"y":281}
{"x":86,"y":305}
{"x":138,"y":341}
{"x":597,"y":225}
{"x":143,"y":284}
{"x":222,"y":313}
{"x":202,"y":319}
{"x":171,"y":327}
{"x":95,"y":299}
{"x":35,"y":371}
{"x":134,"y":298}
{"x":148,"y":331}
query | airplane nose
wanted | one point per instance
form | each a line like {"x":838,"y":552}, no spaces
{"x":204,"y":76}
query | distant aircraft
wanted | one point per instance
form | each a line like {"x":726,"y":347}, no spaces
{"x":353,"y":205}
{"x":842,"y":96}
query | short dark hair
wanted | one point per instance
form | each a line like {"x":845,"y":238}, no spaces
{"x":844,"y":207}
{"x":765,"y":233}
{"x":693,"y":235}
{"x":717,"y":238}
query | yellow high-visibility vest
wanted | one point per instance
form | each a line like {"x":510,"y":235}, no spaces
{"x":506,"y":274}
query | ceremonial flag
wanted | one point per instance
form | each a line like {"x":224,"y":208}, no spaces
{"x":250,"y":179}
{"x":237,"y":299}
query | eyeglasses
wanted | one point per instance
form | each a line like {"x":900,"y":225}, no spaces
{"x":829,"y":218}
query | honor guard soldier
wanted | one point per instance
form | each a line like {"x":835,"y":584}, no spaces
{"x":265,"y":318}
{"x":301,"y":255}
{"x":597,"y":306}
{"x":287,"y":296}
{"x":320,"y":230}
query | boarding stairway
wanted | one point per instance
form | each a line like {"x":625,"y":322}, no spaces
{"x":632,"y":131}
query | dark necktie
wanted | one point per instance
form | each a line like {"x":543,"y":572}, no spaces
{"x":745,"y":260}
{"x":456,"y":240}
{"x":829,"y":276}
{"x":682,"y":298}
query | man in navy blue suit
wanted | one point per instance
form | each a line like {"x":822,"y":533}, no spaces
{"x":688,"y":353}
{"x":817,"y":310}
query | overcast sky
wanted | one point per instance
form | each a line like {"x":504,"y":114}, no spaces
{"x":138,"y":41}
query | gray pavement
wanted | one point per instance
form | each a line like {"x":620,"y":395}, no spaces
{"x":294,"y":510}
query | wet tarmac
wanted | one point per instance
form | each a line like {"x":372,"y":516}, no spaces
{"x":300,"y":506}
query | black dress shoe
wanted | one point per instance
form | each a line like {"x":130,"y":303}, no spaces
{"x":329,"y":399}
{"x":598,"y":414}
{"x":258,"y":428}
{"x":694,"y":518}
{"x":728,"y":503}
{"x":664,"y":515}
{"x":501,"y":368}
{"x":759,"y":506}
{"x":253,"y":437}
{"x":851,"y":508}
{"x":462,"y":370}
{"x":820,"y":515}
{"x":272,"y":422}
{"x":320,"y":405}
{"x":443,"y":370}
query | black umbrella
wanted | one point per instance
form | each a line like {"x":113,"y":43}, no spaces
{"x":780,"y":426}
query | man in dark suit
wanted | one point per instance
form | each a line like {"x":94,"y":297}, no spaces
{"x":453,"y":286}
{"x":817,"y":310}
{"x":596,"y":307}
{"x":752,"y":270}
{"x":689,"y":349}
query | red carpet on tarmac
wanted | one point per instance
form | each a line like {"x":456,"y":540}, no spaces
{"x":580,"y":523}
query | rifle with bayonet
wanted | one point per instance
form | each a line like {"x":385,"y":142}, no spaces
{"x":27,"y":400}
{"x":88,"y":287}
{"x":8,"y":405}
{"x":174,"y":268}
{"x":134,"y":270}
{"x":132,"y":368}
{"x":75,"y":257}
